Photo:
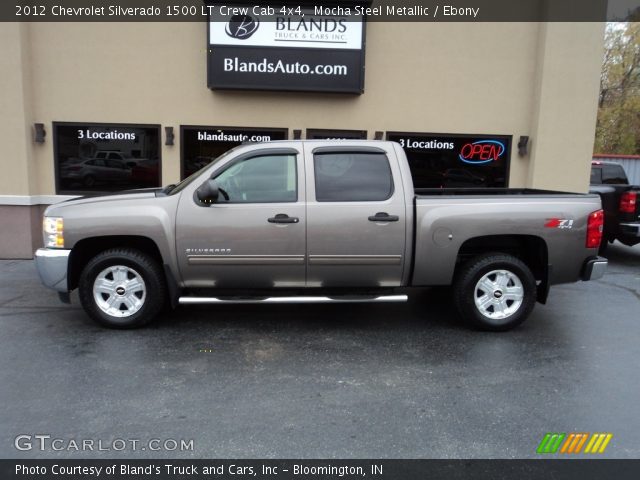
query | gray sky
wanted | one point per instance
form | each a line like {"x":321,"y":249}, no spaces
{"x":620,"y":8}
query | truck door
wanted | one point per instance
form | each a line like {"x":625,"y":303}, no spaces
{"x":253,"y":235}
{"x":356,"y":217}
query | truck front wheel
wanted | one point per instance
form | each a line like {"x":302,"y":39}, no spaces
{"x":495,"y":292}
{"x":122,"y":288}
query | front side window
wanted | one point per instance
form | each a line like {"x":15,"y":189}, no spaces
{"x":352,"y":177}
{"x":262,"y":179}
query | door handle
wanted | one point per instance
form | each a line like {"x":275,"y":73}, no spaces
{"x":283,"y":218}
{"x":383,"y":217}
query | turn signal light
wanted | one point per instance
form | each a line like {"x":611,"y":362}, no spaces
{"x":53,"y":228}
{"x":628,"y":202}
{"x":595,"y":226}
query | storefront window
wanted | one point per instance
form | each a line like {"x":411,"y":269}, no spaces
{"x":324,"y":134}
{"x":202,"y":145}
{"x":456,"y":161}
{"x":98,"y":157}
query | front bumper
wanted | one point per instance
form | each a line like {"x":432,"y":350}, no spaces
{"x":594,"y":268}
{"x":52,"y":268}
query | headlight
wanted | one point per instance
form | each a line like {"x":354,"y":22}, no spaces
{"x":53,"y":235}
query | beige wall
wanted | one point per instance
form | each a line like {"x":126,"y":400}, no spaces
{"x":516,"y":79}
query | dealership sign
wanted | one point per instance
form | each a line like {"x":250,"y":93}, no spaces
{"x":275,"y":48}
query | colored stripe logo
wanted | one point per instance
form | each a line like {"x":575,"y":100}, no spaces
{"x":574,"y":443}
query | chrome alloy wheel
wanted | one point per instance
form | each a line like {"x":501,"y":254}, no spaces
{"x":498,"y":294}
{"x":119,"y":291}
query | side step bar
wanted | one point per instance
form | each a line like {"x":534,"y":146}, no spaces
{"x":250,"y":301}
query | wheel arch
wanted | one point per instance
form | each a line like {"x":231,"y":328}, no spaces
{"x":87,"y":248}
{"x":530,"y":249}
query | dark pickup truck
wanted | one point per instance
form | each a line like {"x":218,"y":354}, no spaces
{"x":620,"y":202}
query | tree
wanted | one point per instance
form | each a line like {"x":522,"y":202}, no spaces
{"x":618,"y":126}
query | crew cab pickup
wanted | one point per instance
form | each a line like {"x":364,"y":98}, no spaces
{"x":620,"y":202}
{"x":317,"y":221}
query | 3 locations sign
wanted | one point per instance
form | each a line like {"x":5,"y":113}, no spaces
{"x":105,"y":157}
{"x":285,"y":48}
{"x":467,"y":161}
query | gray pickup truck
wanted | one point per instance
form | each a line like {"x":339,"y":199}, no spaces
{"x":317,"y":221}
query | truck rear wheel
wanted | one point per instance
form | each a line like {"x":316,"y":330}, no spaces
{"x":495,"y":292}
{"x":122,"y":288}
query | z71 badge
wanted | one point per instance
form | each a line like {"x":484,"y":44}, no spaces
{"x":559,"y":223}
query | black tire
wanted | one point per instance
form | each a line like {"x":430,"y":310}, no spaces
{"x":152,"y":293}
{"x":465,"y":293}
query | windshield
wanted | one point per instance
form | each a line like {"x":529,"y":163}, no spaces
{"x":184,"y":183}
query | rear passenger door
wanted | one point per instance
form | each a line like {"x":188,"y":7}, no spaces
{"x":355,"y":217}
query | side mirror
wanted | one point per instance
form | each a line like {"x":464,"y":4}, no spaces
{"x":208,"y":192}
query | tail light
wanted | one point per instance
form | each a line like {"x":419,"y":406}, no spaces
{"x":595,"y":226}
{"x":628,"y":202}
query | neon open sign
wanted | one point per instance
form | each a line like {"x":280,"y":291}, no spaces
{"x":482,"y":151}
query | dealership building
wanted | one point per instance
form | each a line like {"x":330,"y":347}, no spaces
{"x":90,"y":107}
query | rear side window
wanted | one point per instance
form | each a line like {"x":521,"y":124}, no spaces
{"x":613,"y":175}
{"x":352,"y":177}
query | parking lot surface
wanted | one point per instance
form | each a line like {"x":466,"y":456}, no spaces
{"x":328,"y":381}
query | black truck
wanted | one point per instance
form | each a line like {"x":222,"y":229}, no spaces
{"x":620,"y":202}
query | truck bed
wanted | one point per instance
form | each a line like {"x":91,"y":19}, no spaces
{"x":550,"y":222}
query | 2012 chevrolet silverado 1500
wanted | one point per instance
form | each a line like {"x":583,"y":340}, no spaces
{"x":317,"y":221}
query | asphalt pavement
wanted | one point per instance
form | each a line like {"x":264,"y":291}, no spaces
{"x":328,"y":381}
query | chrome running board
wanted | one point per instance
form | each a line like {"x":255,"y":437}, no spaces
{"x":250,"y":301}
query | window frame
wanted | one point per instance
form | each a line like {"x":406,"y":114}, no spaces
{"x":248,"y":130}
{"x":56,"y":166}
{"x":248,"y":156}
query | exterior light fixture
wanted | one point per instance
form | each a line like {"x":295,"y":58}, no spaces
{"x":379,"y":135}
{"x":168,"y":135}
{"x":40,"y":132}
{"x":522,"y":145}
{"x":297,"y":134}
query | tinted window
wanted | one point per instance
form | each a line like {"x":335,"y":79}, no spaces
{"x":263,"y":179}
{"x":201,"y":145}
{"x":98,"y":158}
{"x":456,"y":161}
{"x":352,"y":177}
{"x":613,"y":174}
{"x":596,"y":176}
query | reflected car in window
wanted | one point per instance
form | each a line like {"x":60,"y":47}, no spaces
{"x":460,"y":177}
{"x":94,"y":171}
{"x":146,"y":173}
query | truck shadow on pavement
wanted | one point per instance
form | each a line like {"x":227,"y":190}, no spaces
{"x":426,"y":308}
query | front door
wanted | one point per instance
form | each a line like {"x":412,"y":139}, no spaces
{"x":253,"y":235}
